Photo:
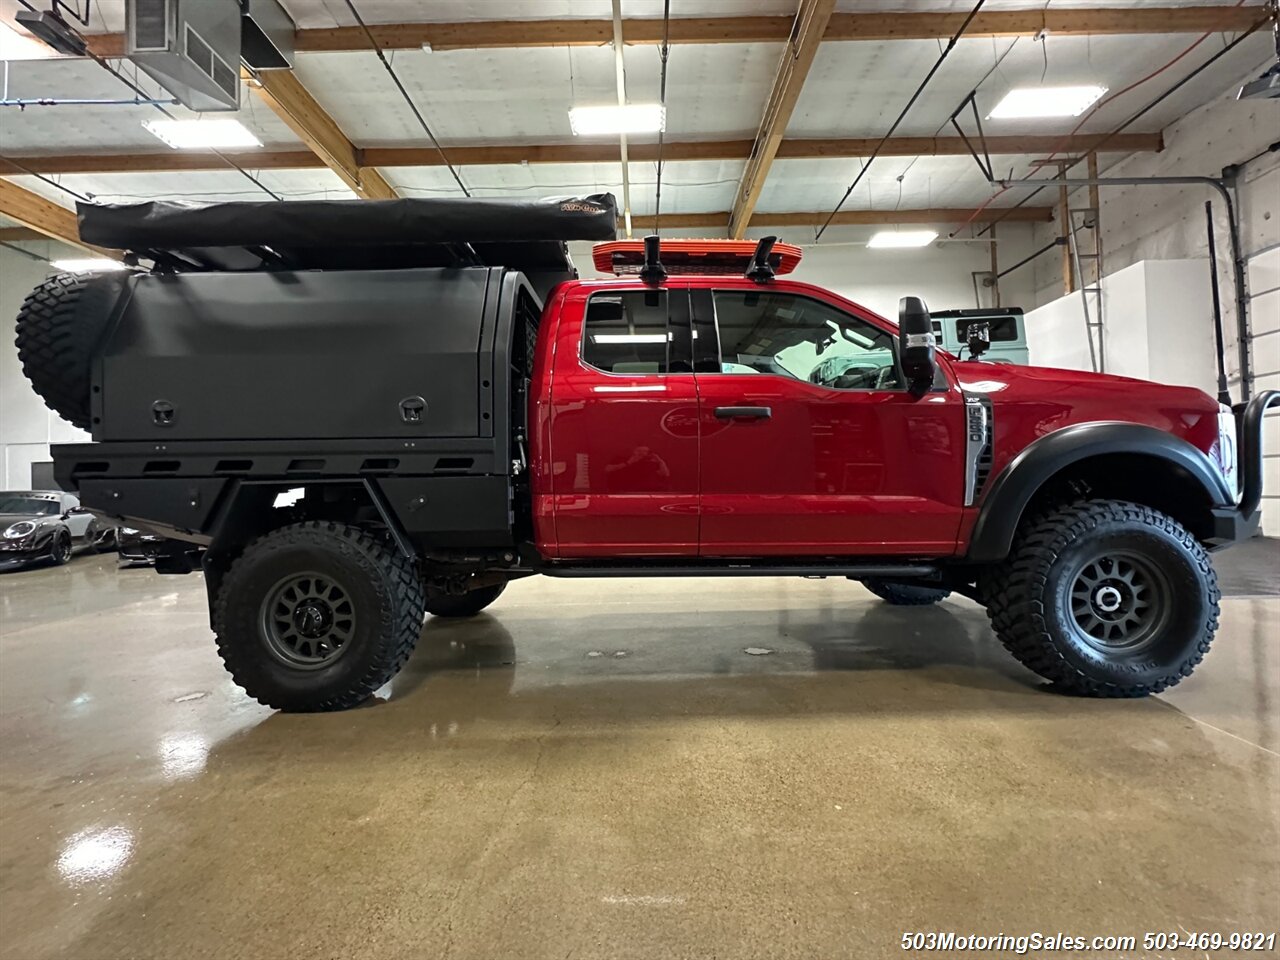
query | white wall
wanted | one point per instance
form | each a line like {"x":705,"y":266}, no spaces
{"x":1168,"y":222}
{"x":27,"y":426}
{"x":1158,"y":312}
{"x":877,"y":279}
{"x":1162,"y":223}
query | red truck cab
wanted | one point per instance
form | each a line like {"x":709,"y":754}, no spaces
{"x":714,"y":416}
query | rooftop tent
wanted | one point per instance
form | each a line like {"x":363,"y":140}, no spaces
{"x":320,"y":234}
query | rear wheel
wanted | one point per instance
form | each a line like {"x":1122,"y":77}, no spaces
{"x":443,"y":604}
{"x":317,"y":616}
{"x":905,"y":594}
{"x":1105,"y":598}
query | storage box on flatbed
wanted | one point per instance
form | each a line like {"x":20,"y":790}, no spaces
{"x":404,"y":378}
{"x":229,"y":371}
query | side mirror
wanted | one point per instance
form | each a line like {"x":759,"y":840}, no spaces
{"x":978,"y":336}
{"x":916,"y":344}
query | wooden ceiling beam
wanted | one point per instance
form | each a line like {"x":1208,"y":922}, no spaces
{"x":18,"y":234}
{"x":793,"y":69}
{"x":498,"y":34}
{"x":45,"y":217}
{"x":683,"y":221}
{"x":175,"y":161}
{"x":284,"y":93}
{"x":498,"y":154}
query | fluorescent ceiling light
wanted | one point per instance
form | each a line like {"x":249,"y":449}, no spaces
{"x":202,"y":134}
{"x":902,"y":238}
{"x":628,"y":338}
{"x":87,"y":265}
{"x":603,"y":121}
{"x":1046,"y":102}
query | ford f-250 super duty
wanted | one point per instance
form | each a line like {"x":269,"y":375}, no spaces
{"x":453,"y":410}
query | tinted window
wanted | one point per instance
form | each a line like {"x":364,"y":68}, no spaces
{"x":1003,"y":329}
{"x":803,"y":339}
{"x":627,"y":332}
{"x":28,"y":505}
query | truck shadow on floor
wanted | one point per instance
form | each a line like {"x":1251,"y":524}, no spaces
{"x":482,"y":657}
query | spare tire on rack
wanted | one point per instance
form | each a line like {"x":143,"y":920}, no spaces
{"x":60,"y":326}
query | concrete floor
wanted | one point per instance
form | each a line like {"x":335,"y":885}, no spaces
{"x":602,"y":769}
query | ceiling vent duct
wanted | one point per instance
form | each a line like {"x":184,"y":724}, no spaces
{"x":266,"y":35}
{"x":1267,"y":86}
{"x":190,"y":47}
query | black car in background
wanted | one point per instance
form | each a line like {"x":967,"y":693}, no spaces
{"x":136,"y":547}
{"x":47,"y":525}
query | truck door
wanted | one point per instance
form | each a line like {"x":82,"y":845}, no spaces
{"x":811,"y":444}
{"x":624,"y":425}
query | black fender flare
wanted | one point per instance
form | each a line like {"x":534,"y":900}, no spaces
{"x":1017,"y":483}
{"x":47,"y":535}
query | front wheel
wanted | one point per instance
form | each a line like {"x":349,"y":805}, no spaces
{"x":1105,"y":598}
{"x":317,"y":616}
{"x":905,"y":594}
{"x":443,"y":604}
{"x":60,"y":552}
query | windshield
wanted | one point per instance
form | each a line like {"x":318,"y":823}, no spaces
{"x":29,"y":505}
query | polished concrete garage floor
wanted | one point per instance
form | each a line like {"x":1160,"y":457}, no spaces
{"x":612,"y":769}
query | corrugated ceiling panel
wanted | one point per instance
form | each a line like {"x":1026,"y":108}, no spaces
{"x":857,"y":89}
{"x":494,"y":95}
{"x":687,"y":186}
{"x":209,"y":186}
{"x":71,"y":129}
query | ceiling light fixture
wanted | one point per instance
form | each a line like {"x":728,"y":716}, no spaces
{"x":87,"y":265}
{"x":899,"y":239}
{"x":614,"y":120}
{"x":202,"y":134}
{"x":1027,"y":102}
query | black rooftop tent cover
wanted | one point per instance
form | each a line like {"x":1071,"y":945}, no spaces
{"x":523,"y":234}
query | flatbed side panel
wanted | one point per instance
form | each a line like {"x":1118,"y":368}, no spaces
{"x":463,"y":512}
{"x":325,"y":354}
{"x":291,"y":460}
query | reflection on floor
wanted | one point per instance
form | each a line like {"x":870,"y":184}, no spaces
{"x":781,"y":768}
{"x":1250,"y":569}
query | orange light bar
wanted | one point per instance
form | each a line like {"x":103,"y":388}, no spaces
{"x":685,"y":257}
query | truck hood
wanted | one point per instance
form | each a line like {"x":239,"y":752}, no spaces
{"x":1030,"y":402}
{"x":1020,"y":382}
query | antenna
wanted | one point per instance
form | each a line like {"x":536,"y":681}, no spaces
{"x":653,"y":271}
{"x":760,"y":271}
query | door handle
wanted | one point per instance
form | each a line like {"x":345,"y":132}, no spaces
{"x":744,"y":413}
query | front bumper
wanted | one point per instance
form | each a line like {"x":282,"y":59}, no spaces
{"x":138,"y":550}
{"x":15,"y":559}
{"x":1231,"y":525}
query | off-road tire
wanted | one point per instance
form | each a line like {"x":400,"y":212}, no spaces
{"x":905,"y":594}
{"x":385,"y":591}
{"x":1029,"y":598}
{"x":60,"y":325}
{"x":441,"y":604}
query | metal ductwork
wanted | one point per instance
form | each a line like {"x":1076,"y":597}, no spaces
{"x":190,"y":47}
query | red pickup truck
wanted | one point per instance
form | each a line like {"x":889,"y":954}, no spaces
{"x":444,"y":433}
